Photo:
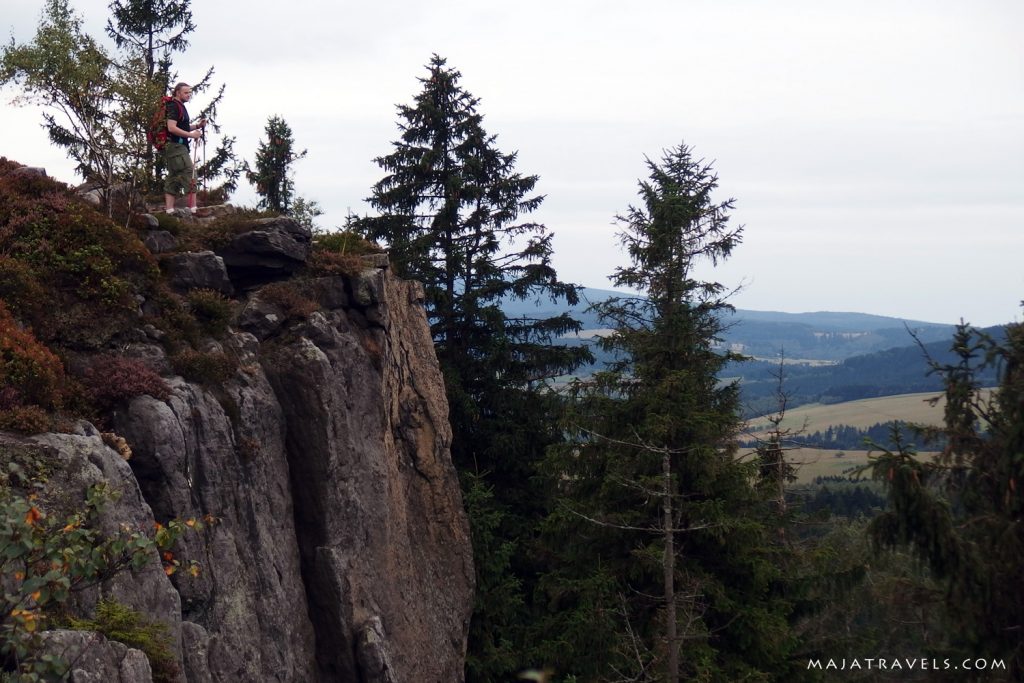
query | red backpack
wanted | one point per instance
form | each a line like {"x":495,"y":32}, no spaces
{"x":156,"y":133}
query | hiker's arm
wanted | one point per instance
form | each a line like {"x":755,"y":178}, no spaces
{"x":174,"y":129}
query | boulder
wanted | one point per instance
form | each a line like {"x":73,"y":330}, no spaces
{"x":94,"y":659}
{"x":198,"y":270}
{"x":274,"y":249}
{"x":260,"y":318}
{"x":160,"y":241}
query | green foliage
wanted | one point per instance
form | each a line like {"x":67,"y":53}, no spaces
{"x":306,"y":211}
{"x":86,"y":269}
{"x":152,"y":29}
{"x":211,"y":368}
{"x":274,"y":159}
{"x":500,"y":595}
{"x":339,"y":253}
{"x":961,"y":513}
{"x":123,"y":624}
{"x":97,"y":104}
{"x":219,"y":232}
{"x":344,"y":242}
{"x":212,"y":310}
{"x":45,"y":558}
{"x":68,"y":72}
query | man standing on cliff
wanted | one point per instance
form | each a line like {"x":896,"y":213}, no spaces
{"x":177,"y":160}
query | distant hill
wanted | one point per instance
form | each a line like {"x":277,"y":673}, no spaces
{"x":822,"y":335}
{"x":831,"y":357}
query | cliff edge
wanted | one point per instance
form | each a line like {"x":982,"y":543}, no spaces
{"x":310,"y":428}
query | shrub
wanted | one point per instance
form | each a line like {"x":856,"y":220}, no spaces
{"x":110,"y":379}
{"x":173,"y":318}
{"x":20,"y":289}
{"x":206,"y":367}
{"x":345,"y":242}
{"x":46,"y":558}
{"x":125,"y":625}
{"x":27,"y":367}
{"x":166,"y":221}
{"x":25,"y":420}
{"x":212,"y":310}
{"x":85,"y":267}
{"x":325,"y":263}
{"x":289,"y":297}
{"x":49,"y":555}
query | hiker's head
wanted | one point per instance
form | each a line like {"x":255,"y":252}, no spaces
{"x":182,"y":91}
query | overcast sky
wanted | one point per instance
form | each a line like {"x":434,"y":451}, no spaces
{"x":875,"y":149}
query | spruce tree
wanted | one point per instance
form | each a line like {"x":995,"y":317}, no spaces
{"x":274,"y":159}
{"x":659,"y":536}
{"x":962,"y":512}
{"x":452,"y":209}
{"x":152,"y":29}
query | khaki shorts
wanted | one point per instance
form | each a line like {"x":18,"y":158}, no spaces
{"x":178,"y":165}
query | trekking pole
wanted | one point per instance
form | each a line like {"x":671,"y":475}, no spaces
{"x":192,"y":187}
{"x":203,"y":179}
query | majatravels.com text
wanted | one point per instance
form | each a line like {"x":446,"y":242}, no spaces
{"x":906,"y":664}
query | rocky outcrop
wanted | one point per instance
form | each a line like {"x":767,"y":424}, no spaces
{"x":339,"y":549}
{"x":369,"y":439}
{"x":197,"y":270}
{"x":94,"y":659}
{"x":272,"y":250}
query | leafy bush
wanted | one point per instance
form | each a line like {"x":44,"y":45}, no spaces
{"x":345,"y":242}
{"x":47,"y":555}
{"x":25,"y":419}
{"x":166,"y":221}
{"x":125,"y":625}
{"x":19,"y":288}
{"x":87,"y":269}
{"x":30,"y":372}
{"x":172,"y":315}
{"x":44,"y":559}
{"x":326,"y":263}
{"x":289,"y":297}
{"x":110,"y":379}
{"x":206,"y":367}
{"x":212,"y":310}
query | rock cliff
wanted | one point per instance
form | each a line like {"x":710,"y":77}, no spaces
{"x":339,"y":549}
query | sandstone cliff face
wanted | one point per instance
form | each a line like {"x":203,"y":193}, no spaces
{"x":341,"y":550}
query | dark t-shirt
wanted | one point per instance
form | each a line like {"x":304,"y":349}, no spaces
{"x":176,"y":110}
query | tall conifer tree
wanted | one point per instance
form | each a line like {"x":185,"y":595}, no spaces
{"x":663,"y":571}
{"x":452,"y":210}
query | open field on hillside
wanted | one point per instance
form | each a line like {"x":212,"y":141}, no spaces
{"x":814,"y":462}
{"x":863,"y":413}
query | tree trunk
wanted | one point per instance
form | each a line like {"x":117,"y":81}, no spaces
{"x":669,"y":566}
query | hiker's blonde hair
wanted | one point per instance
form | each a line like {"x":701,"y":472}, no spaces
{"x":178,"y":87}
